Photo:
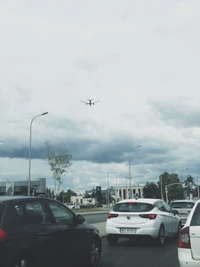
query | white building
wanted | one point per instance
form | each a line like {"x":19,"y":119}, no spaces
{"x":123,"y":192}
{"x":82,"y":200}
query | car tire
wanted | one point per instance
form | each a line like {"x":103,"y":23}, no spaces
{"x":94,"y":254}
{"x":112,"y":239}
{"x":160,"y":240}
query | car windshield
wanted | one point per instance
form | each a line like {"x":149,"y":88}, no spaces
{"x":133,"y":207}
{"x":182,"y":205}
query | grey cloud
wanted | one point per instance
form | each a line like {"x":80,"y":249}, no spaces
{"x":179,"y":113}
{"x":96,"y":150}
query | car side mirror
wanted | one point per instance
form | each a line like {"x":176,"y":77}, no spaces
{"x":175,"y":212}
{"x":80,"y":219}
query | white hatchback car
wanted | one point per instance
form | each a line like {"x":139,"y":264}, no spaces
{"x":189,"y":239}
{"x":142,"y":217}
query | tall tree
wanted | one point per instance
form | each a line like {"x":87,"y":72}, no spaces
{"x":59,"y":160}
{"x":176,"y":190}
{"x":68,"y":195}
{"x":190,"y":185}
{"x":151,"y":190}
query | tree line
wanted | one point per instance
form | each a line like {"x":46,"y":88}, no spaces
{"x":179,"y":189}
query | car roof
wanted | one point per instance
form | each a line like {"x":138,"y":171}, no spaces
{"x":140,"y":200}
{"x":11,"y":198}
{"x":183,"y":200}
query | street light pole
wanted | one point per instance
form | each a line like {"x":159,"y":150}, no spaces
{"x":109,"y":184}
{"x":116,"y":187}
{"x":130,"y":192}
{"x":30,"y":141}
{"x":183,"y":171}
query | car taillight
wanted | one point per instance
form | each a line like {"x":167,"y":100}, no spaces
{"x":184,"y":238}
{"x":3,"y":235}
{"x":148,"y":216}
{"x":112,"y":215}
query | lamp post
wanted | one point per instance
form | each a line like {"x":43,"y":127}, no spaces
{"x":130,"y":192}
{"x":161,"y":191}
{"x":116,"y":187}
{"x":183,"y":171}
{"x":109,"y":185}
{"x":30,"y":140}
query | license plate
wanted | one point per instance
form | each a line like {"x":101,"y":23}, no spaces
{"x":128,"y":230}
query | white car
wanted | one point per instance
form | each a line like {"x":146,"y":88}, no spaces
{"x":140,"y":218}
{"x":189,"y":239}
{"x":183,"y":207}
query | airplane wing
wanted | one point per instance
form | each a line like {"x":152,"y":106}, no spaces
{"x":84,"y":102}
{"x":96,"y":102}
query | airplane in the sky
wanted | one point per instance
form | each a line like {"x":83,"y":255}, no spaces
{"x":89,"y":102}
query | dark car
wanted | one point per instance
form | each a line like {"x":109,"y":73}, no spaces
{"x":38,"y":232}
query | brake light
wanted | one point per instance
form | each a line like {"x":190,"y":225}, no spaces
{"x":112,"y":215}
{"x":131,"y":202}
{"x":184,"y":238}
{"x":3,"y":235}
{"x":148,"y":216}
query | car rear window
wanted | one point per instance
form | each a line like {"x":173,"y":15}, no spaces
{"x":1,"y":211}
{"x":196,"y":216}
{"x":133,"y":207}
{"x":182,"y":205}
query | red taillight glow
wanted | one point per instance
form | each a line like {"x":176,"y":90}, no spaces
{"x":3,"y":235}
{"x":148,"y":216}
{"x":184,"y":238}
{"x":131,"y":202}
{"x":112,"y":215}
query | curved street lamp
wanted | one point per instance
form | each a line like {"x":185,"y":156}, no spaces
{"x":30,"y":140}
{"x":130,"y":192}
{"x":166,"y":189}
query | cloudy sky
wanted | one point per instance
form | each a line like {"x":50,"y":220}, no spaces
{"x":139,"y":58}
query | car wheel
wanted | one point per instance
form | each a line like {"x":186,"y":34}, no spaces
{"x":94,"y":254}
{"x":160,"y":240}
{"x":112,"y":239}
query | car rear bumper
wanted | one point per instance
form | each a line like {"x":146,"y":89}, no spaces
{"x":185,"y":258}
{"x":153,"y":232}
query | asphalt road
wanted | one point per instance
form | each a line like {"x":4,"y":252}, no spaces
{"x":129,"y":254}
{"x":95,"y":218}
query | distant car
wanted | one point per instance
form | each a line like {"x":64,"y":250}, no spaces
{"x":140,"y":218}
{"x":41,"y":232}
{"x":183,"y":207}
{"x":189,"y":239}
